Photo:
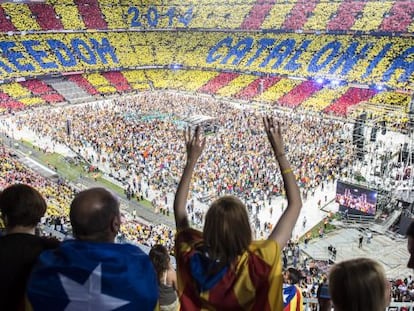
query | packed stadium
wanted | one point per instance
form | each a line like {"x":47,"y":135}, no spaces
{"x":301,"y":112}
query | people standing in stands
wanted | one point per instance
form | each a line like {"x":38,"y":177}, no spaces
{"x":21,"y":207}
{"x":292,"y":294}
{"x":410,"y":245}
{"x":360,"y":240}
{"x":369,"y":237}
{"x":221,"y":268}
{"x":324,"y":299}
{"x":167,"y":278}
{"x":359,"y":285}
{"x":91,"y":272}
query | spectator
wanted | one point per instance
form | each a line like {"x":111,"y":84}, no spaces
{"x":292,"y":295}
{"x":167,"y":278}
{"x":359,"y":285}
{"x":410,"y":245}
{"x":324,"y":299}
{"x":92,"y":272}
{"x":224,"y":255}
{"x":21,"y":208}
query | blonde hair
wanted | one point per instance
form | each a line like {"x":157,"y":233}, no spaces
{"x":358,"y":285}
{"x":227,"y":233}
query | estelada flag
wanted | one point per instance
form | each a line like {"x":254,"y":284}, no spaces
{"x":83,"y":275}
{"x":292,"y":298}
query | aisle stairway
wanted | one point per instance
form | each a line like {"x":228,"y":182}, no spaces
{"x":70,"y":90}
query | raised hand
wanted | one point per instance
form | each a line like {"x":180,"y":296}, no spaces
{"x":194,"y":144}
{"x":272,"y":128}
{"x":282,"y":231}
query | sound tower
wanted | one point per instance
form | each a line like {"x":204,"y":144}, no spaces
{"x":404,"y":154}
{"x":68,"y":127}
{"x":374,"y":131}
{"x":358,"y":135}
{"x":383,"y":128}
{"x":411,"y":114}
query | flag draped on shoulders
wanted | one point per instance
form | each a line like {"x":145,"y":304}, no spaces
{"x":292,"y":298}
{"x":253,"y":282}
{"x":93,"y":276}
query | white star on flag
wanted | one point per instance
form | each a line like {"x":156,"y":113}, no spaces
{"x":89,"y":295}
{"x":285,"y":297}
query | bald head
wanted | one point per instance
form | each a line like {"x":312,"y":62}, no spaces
{"x":94,"y":215}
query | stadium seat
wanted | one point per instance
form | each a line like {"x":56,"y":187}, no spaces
{"x":21,"y":17}
{"x":83,"y":83}
{"x":91,"y":14}
{"x":99,"y":82}
{"x":46,"y":16}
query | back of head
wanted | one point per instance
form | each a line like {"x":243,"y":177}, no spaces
{"x":94,"y":215}
{"x":21,"y":205}
{"x":160,"y":259}
{"x":294,"y":276}
{"x":358,"y":285}
{"x":227,"y":233}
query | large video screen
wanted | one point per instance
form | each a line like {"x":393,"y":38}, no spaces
{"x":358,"y":200}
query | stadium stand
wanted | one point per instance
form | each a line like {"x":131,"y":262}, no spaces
{"x":46,"y":16}
{"x":218,"y":82}
{"x":278,"y":60}
{"x":276,"y":16}
{"x":321,"y":15}
{"x":22,"y":94}
{"x":91,"y":14}
{"x":5,"y":23}
{"x":136,"y":79}
{"x":106,"y":72}
{"x":256,"y":16}
{"x":371,"y":16}
{"x":40,"y":88}
{"x":278,"y":90}
{"x":236,"y":85}
{"x":117,"y":80}
{"x":352,"y":96}
{"x":190,"y":80}
{"x":256,"y":87}
{"x":399,"y":18}
{"x":320,"y":100}
{"x":346,"y":15}
{"x":99,"y":82}
{"x":366,"y":16}
{"x":297,"y":95}
{"x":298,"y":16}
{"x":58,"y":195}
{"x":69,"y":15}
{"x":9,"y":104}
{"x":84,"y":84}
{"x":21,"y":17}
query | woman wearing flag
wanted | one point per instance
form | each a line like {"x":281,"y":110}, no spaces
{"x":221,"y":268}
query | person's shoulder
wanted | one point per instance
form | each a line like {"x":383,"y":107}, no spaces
{"x":129,"y":248}
{"x":260,"y":244}
{"x":29,"y":239}
{"x":268,"y":250}
{"x":188,"y":234}
{"x":49,"y":242}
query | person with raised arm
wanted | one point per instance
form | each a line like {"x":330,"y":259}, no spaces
{"x":223,"y":268}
